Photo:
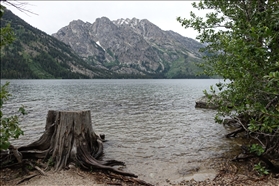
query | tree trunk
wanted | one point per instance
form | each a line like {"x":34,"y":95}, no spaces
{"x":69,"y":137}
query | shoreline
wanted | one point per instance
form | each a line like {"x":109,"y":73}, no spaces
{"x":227,"y":173}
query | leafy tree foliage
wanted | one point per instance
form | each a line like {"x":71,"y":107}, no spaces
{"x":9,"y":124}
{"x":244,"y":50}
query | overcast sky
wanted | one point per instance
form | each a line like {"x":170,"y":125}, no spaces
{"x":53,"y":15}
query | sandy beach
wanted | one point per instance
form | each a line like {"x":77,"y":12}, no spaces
{"x":228,"y":173}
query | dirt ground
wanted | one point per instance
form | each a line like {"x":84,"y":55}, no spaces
{"x":229,"y":174}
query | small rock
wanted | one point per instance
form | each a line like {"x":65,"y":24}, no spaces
{"x":151,"y":175}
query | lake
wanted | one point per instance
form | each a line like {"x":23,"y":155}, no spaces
{"x":151,"y":125}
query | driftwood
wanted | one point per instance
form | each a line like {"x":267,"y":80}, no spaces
{"x":26,"y":178}
{"x":235,"y":132}
{"x":68,"y":137}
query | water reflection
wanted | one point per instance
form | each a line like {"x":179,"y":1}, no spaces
{"x":151,"y":125}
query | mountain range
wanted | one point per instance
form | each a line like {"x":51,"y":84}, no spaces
{"x":123,"y":48}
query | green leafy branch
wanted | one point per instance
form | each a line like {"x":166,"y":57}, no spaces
{"x":9,"y":124}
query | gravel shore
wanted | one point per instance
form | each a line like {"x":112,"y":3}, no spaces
{"x":228,"y":173}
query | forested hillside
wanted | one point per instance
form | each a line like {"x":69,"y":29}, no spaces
{"x":34,"y":54}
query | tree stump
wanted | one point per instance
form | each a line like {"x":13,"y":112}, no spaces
{"x":69,"y":137}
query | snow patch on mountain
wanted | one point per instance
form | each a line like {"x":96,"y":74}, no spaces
{"x":98,"y":43}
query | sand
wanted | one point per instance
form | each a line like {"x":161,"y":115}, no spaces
{"x":228,"y":173}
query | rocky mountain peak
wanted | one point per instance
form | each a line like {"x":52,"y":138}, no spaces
{"x":129,"y":46}
{"x":127,"y":21}
{"x":79,"y":22}
{"x":103,"y":20}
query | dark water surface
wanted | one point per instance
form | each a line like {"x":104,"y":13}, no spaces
{"x":151,"y":125}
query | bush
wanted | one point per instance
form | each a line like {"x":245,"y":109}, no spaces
{"x":9,"y":125}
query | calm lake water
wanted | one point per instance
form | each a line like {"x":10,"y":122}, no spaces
{"x":151,"y":125}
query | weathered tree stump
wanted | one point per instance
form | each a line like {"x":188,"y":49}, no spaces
{"x":69,"y":137}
